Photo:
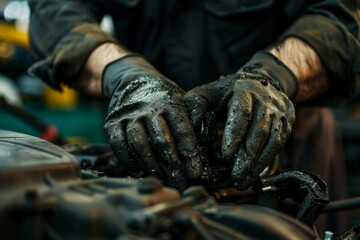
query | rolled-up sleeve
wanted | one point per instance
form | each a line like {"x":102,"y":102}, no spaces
{"x":62,"y":36}
{"x":331,"y":31}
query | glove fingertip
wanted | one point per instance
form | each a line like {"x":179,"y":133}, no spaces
{"x":228,"y":150}
{"x":242,"y":171}
{"x":194,"y":166}
{"x":196,"y":107}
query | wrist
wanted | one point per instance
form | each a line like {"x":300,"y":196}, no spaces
{"x":266,"y":64}
{"x":122,"y":71}
{"x":304,"y":62}
{"x":103,"y":55}
{"x":89,"y":80}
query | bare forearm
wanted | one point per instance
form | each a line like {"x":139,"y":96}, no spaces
{"x":306,"y":65}
{"x":89,"y":80}
{"x":296,"y":54}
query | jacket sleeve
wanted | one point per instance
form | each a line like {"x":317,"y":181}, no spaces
{"x":331,"y":31}
{"x":62,"y":36}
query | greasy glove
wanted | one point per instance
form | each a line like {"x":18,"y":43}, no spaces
{"x":259,"y":114}
{"x":147,"y":124}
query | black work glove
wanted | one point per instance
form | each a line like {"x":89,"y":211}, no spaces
{"x":259,"y":113}
{"x":148,"y":126}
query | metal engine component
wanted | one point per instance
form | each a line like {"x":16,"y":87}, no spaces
{"x":43,"y":196}
{"x":96,"y":159}
{"x":305,"y":188}
{"x":352,"y":234}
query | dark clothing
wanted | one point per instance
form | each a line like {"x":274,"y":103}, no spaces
{"x":191,"y":41}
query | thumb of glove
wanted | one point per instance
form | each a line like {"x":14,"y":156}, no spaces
{"x":197,"y":106}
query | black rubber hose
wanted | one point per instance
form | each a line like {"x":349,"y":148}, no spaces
{"x":342,"y":205}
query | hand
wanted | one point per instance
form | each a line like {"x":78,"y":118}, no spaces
{"x":259,"y":116}
{"x":148,"y":125}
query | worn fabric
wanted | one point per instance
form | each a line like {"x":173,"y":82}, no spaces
{"x":190,"y":42}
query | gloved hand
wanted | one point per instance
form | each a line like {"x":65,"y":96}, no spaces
{"x":259,"y":113}
{"x":147,"y":124}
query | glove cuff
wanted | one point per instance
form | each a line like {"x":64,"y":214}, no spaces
{"x":269,"y":65}
{"x":119,"y":73}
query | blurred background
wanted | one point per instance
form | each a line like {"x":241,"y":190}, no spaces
{"x":76,"y":118}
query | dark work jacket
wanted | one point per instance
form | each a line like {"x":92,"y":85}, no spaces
{"x":191,"y":42}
